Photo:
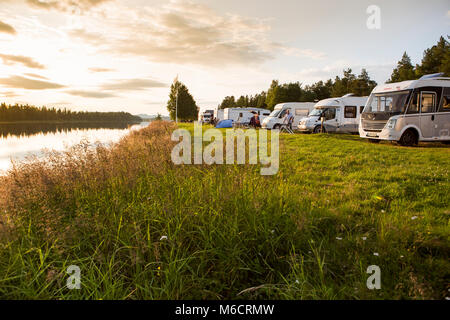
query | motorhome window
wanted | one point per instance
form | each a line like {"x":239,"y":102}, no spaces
{"x":414,"y":106}
{"x":241,"y":115}
{"x":316,"y":112}
{"x":350,"y":112}
{"x":283,"y":113}
{"x":301,"y":112}
{"x":361,"y":109}
{"x":445,"y":107}
{"x":392,"y":102}
{"x":428,"y":102}
{"x":330,"y":114}
{"x":275,"y":112}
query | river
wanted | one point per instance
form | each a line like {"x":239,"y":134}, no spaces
{"x":17,"y":141}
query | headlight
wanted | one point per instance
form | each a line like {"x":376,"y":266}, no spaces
{"x":391,"y":123}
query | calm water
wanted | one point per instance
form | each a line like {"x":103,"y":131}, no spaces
{"x":19,"y":141}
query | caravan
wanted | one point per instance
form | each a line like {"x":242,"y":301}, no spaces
{"x":298,"y":109}
{"x":243,"y":115}
{"x":408,"y":111}
{"x":339,"y":115}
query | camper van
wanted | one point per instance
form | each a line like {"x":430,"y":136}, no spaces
{"x":408,"y":112}
{"x":218,"y":114}
{"x":206,"y":116}
{"x":339,"y":115}
{"x":298,"y":109}
{"x":243,"y":115}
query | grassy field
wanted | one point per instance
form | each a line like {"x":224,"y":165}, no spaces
{"x":140,"y":227}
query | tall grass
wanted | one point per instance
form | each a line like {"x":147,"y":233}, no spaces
{"x":140,"y":227}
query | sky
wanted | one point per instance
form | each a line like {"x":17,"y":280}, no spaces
{"x":114,"y":55}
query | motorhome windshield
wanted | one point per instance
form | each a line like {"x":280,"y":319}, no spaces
{"x":275,"y":113}
{"x":387,"y":102}
{"x":316,"y":112}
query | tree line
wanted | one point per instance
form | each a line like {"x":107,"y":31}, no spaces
{"x":18,"y":112}
{"x":435,"y":59}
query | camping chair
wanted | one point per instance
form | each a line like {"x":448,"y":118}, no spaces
{"x":285,"y":127}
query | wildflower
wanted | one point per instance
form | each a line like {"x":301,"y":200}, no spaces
{"x":378,"y":197}
{"x":338,"y":238}
{"x":273,"y":231}
{"x":383,"y":211}
{"x":414,"y":218}
{"x":163,"y":238}
{"x":401,"y":256}
{"x":297,"y":282}
{"x":364,"y":238}
{"x":375,"y":254}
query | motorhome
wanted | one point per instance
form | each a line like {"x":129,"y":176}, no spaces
{"x":206,"y":116}
{"x":339,"y":115}
{"x":298,"y":109}
{"x":218,"y":114}
{"x":243,"y":115}
{"x":408,"y":112}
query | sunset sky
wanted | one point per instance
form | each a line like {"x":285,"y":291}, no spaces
{"x":114,"y":55}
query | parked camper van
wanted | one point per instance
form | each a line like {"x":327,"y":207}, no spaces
{"x":340,"y":115}
{"x":243,"y":115}
{"x":218,"y":114}
{"x":206,"y":116}
{"x":408,"y":111}
{"x":298,"y":109}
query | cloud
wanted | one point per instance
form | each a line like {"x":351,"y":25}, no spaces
{"x":133,"y":84}
{"x":74,"y":6}
{"x":8,"y":94}
{"x":30,"y":84}
{"x":6,"y":28}
{"x":91,"y":94}
{"x":26,"y":61}
{"x":33,"y":75}
{"x":186,"y":32}
{"x":101,"y":69}
{"x":88,"y":37}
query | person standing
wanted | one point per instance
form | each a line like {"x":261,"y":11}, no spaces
{"x":288,"y":119}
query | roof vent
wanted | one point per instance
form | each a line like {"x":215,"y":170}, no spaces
{"x":348,"y":95}
{"x":431,"y":76}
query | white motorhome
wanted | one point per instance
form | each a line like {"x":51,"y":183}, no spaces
{"x":243,"y":115}
{"x":408,"y":111}
{"x":340,"y":115}
{"x":298,"y":109}
{"x":219,"y":114}
{"x":206,"y":116}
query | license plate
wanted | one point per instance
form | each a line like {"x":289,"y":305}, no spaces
{"x":370,"y":134}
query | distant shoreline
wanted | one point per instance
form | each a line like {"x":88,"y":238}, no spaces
{"x":70,"y":122}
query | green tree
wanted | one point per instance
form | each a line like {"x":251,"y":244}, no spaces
{"x":435,"y":59}
{"x":403,"y":71}
{"x":228,"y":102}
{"x":187,"y":107}
{"x":158,"y":117}
{"x":241,"y":103}
{"x":363,"y":85}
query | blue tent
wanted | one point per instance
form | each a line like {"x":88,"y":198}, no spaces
{"x":225,"y":124}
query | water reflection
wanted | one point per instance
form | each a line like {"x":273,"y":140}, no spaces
{"x":19,"y":141}
{"x":28,"y":129}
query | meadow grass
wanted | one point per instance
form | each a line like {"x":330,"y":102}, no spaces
{"x":140,"y":227}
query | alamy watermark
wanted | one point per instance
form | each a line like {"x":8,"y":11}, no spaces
{"x":374,"y":281}
{"x":374,"y":20}
{"x":74,"y":280}
{"x":235,"y":140}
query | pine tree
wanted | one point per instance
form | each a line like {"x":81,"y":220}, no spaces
{"x":403,"y":71}
{"x":435,"y":59}
{"x":187,"y":107}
